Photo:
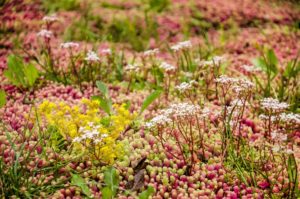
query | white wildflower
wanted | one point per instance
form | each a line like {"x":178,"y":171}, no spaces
{"x":223,"y":79}
{"x":182,"y":46}
{"x":276,"y":148}
{"x":183,"y":87}
{"x":159,"y":120}
{"x":69,"y":45}
{"x":92,"y":56}
{"x":77,"y":139}
{"x":288,"y":151}
{"x":237,"y":102}
{"x":290,"y":118}
{"x":205,"y":112}
{"x":106,"y":51}
{"x":273,"y":104}
{"x":151,"y":52}
{"x":250,"y":68}
{"x":131,"y":67}
{"x":50,"y":18}
{"x":184,"y":109}
{"x":217,"y":60}
{"x":45,"y":33}
{"x":97,"y":140}
{"x":167,"y":67}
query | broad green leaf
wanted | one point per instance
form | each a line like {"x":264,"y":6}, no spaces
{"x":273,"y":61}
{"x":2,"y":98}
{"x":147,"y":193}
{"x":260,"y":63}
{"x":105,"y":104}
{"x":15,"y":66}
{"x":150,"y":99}
{"x":103,"y":88}
{"x":107,"y":193}
{"x":31,"y":74}
{"x":111,"y":179}
{"x":78,"y":181}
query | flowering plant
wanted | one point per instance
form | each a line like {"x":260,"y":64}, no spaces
{"x":88,"y":128}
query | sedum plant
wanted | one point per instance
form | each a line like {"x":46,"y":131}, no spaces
{"x":88,"y":128}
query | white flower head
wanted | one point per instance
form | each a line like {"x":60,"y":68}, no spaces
{"x":250,"y":68}
{"x":273,"y":104}
{"x":290,"y":118}
{"x":223,"y":79}
{"x":151,"y":52}
{"x":167,"y":67}
{"x":182,"y":46}
{"x":45,"y":33}
{"x":289,"y":151}
{"x":77,"y":139}
{"x":106,"y":51}
{"x":92,"y":56}
{"x":69,"y":45}
{"x":160,"y":120}
{"x":276,"y":148}
{"x":217,"y":60}
{"x":131,"y":67}
{"x":185,"y":86}
{"x":50,"y":18}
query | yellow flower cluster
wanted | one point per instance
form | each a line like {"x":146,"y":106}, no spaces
{"x":93,"y":131}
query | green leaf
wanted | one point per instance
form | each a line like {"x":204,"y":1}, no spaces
{"x":272,"y":59}
{"x":292,"y":168}
{"x":111,"y":180}
{"x":150,"y":99}
{"x":15,"y":68}
{"x":20,"y":74}
{"x":78,"y":181}
{"x":147,"y":193}
{"x":105,"y":104}
{"x":102,"y":88}
{"x":2,"y":98}
{"x":107,"y":193}
{"x":260,"y":63}
{"x":31,"y":74}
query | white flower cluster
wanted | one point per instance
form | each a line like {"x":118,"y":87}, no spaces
{"x":175,"y":112}
{"x":224,"y":79}
{"x":266,"y":117}
{"x":237,"y":103}
{"x":243,"y":85}
{"x":151,"y":52}
{"x":160,"y":120}
{"x":290,"y":118}
{"x":50,"y":18}
{"x":45,"y":33}
{"x":273,"y":104}
{"x":69,"y":45}
{"x":240,"y":85}
{"x":278,"y":136}
{"x":185,"y":86}
{"x":106,"y":51}
{"x":182,"y":110}
{"x":215,"y":61}
{"x":167,"y":67}
{"x":90,"y":133}
{"x":131,"y":67}
{"x":277,"y":148}
{"x":250,"y":68}
{"x":182,"y":46}
{"x":92,"y":56}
